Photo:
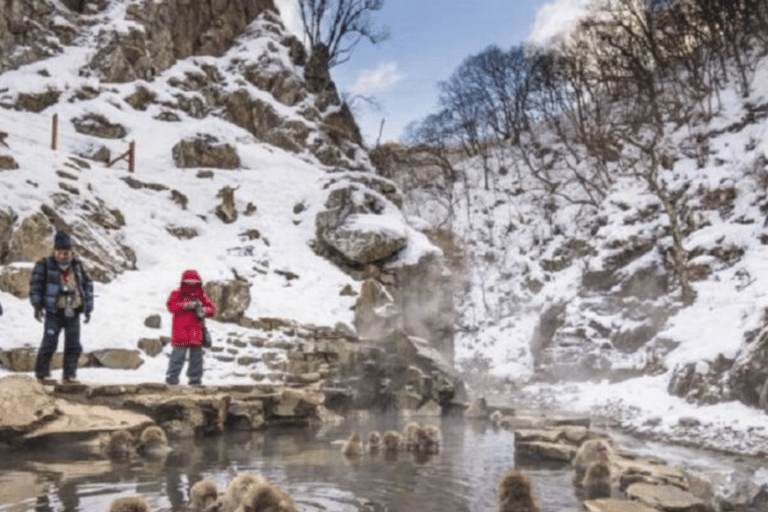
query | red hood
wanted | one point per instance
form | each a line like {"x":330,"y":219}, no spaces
{"x":191,"y":275}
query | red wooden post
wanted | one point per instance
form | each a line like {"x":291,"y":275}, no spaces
{"x":131,"y":155}
{"x":54,"y":131}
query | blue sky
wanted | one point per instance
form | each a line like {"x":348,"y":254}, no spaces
{"x":430,"y":39}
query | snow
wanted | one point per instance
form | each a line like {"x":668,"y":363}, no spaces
{"x":269,"y":178}
{"x":275,"y":181}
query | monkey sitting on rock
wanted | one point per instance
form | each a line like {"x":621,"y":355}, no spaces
{"x":597,"y":480}
{"x":590,"y":451}
{"x":515,"y":493}
{"x":593,"y":468}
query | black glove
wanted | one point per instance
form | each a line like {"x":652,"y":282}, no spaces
{"x":87,"y":318}
{"x":1,"y":310}
{"x":38,"y":313}
{"x":199,"y":311}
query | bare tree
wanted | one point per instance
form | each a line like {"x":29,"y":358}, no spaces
{"x":340,"y":25}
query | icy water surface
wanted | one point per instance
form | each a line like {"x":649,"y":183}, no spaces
{"x":305,"y":462}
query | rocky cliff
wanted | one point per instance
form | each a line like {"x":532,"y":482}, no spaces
{"x":224,"y":77}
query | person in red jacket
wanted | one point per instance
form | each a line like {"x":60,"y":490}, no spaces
{"x":189,"y":306}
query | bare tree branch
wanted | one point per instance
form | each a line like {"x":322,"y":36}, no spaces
{"x":340,"y":25}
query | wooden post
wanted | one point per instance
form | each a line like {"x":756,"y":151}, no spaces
{"x":54,"y":131}
{"x":128,"y":156}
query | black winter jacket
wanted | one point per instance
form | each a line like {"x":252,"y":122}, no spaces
{"x":45,"y":285}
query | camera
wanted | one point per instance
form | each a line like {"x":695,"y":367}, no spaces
{"x":69,"y":299}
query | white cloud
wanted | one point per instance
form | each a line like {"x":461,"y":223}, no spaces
{"x":555,"y":19}
{"x":380,"y":79}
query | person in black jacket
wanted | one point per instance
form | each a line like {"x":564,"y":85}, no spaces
{"x":60,"y":291}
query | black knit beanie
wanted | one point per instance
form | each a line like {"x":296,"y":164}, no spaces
{"x":62,"y":241}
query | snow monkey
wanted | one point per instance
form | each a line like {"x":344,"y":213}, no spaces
{"x":203,"y":497}
{"x":133,"y":503}
{"x":429,"y":439}
{"x":411,"y":436}
{"x":374,"y":442}
{"x":515,"y":493}
{"x":153,"y":441}
{"x":237,"y":489}
{"x":119,"y":445}
{"x":597,"y":480}
{"x":590,"y":451}
{"x":266,"y":497}
{"x":393,"y":441}
{"x":353,"y":447}
{"x":500,"y":421}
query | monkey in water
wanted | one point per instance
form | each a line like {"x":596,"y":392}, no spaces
{"x":129,"y":504}
{"x":515,"y":493}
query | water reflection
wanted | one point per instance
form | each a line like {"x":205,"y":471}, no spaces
{"x":306,"y":463}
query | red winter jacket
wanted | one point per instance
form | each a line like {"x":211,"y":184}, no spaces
{"x":187,"y":329}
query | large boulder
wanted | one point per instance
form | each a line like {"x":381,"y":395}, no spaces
{"x":7,"y":219}
{"x":96,"y":234}
{"x":205,"y":152}
{"x":232,"y":297}
{"x":744,"y":379}
{"x":24,"y":404}
{"x":616,"y":505}
{"x":8,"y":163}
{"x":340,"y":125}
{"x":173,"y":30}
{"x":402,"y":372}
{"x":297,"y":404}
{"x":20,"y":359}
{"x":32,"y":240}
{"x":184,"y":416}
{"x":272,"y":76}
{"x":748,"y":379}
{"x":97,"y":125}
{"x":364,"y":238}
{"x":360,"y":225}
{"x":665,"y":497}
{"x":14,"y":279}
{"x":124,"y":58}
{"x":117,"y":358}
{"x":94,"y":229}
{"x":29,"y":31}
{"x":28,"y":412}
{"x":261,"y":119}
{"x":84,"y":420}
{"x":246,"y":415}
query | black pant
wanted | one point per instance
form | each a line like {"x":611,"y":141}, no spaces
{"x":55,"y":321}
